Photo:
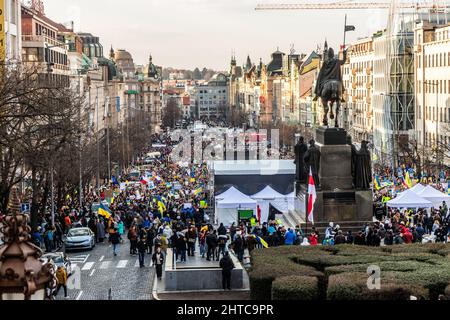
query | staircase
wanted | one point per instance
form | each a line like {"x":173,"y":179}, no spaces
{"x":291,"y":219}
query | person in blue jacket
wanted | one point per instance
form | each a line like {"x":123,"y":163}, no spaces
{"x":290,"y":237}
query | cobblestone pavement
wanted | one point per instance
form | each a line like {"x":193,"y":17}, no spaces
{"x":98,"y":271}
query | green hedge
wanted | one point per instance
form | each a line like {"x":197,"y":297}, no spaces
{"x":295,"y":288}
{"x":267,"y":267}
{"x":340,"y":272}
{"x":353,"y":286}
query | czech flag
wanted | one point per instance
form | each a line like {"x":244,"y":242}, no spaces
{"x":104,"y":211}
{"x":311,"y":197}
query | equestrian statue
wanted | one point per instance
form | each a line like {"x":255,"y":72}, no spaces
{"x":329,"y":85}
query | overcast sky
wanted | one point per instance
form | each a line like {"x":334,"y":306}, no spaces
{"x":199,"y":33}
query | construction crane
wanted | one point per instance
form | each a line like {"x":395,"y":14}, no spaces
{"x":350,"y":5}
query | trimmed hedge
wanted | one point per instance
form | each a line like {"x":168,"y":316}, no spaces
{"x":353,"y":286}
{"x":295,"y":288}
{"x":267,"y":267}
{"x":340,"y":272}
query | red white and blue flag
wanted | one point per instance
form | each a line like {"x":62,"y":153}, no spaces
{"x":311,"y":197}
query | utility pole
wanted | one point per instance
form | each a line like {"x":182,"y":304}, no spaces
{"x":80,"y":145}
{"x":53,"y":196}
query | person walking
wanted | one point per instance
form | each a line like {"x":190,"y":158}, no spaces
{"x":181,"y":246}
{"x":192,"y":238}
{"x":121,"y":229}
{"x":100,"y":231}
{"x":158,"y":261}
{"x":141,"y":248}
{"x":211,"y":242}
{"x":132,"y":236}
{"x":114,"y":237}
{"x":61,"y":277}
{"x":239,"y":247}
{"x":227,"y":266}
{"x":150,"y":237}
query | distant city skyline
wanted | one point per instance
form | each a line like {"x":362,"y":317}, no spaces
{"x":186,"y":34}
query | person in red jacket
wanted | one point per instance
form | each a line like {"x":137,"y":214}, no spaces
{"x":313,"y":239}
{"x":406,"y":235}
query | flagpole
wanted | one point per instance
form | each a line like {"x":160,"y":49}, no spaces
{"x":306,"y":213}
{"x":345,"y":30}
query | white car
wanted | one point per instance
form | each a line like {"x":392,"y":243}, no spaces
{"x":58,"y":259}
{"x":80,"y":238}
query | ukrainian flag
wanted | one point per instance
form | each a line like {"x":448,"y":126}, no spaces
{"x":261,"y":241}
{"x":376,"y":182}
{"x":104,"y":211}
{"x":408,"y":180}
{"x":161,"y":207}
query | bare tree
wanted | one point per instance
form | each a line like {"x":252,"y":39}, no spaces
{"x":171,"y":113}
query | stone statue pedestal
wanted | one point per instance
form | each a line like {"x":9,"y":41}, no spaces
{"x":337,"y":200}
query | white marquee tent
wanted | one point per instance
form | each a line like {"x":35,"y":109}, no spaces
{"x":431,"y":194}
{"x":229,"y":202}
{"x":409,"y":199}
{"x":268,"y":196}
{"x":418,"y":188}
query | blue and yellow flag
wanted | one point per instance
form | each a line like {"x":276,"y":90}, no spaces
{"x":376,"y":182}
{"x":161,"y":207}
{"x":408,"y":180}
{"x":104,"y":211}
{"x":261,"y":241}
{"x":197,"y":191}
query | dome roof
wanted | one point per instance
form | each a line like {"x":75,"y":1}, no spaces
{"x":122,"y":55}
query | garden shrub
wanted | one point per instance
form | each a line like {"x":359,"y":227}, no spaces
{"x":353,"y":286}
{"x":295,"y":288}
{"x":340,"y":272}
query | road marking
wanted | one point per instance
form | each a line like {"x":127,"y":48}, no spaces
{"x":92,"y":272}
{"x":105,"y":264}
{"x":79,"y":295}
{"x":80,"y":258}
{"x":101,"y":258}
{"x":122,"y":264}
{"x":137,"y":263}
{"x":88,"y":266}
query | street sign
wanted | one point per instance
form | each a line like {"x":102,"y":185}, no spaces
{"x":24,"y":207}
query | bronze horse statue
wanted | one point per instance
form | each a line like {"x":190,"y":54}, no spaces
{"x":331,"y":94}
{"x":329,"y":86}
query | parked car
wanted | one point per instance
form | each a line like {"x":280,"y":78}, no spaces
{"x":80,"y":238}
{"x":58,"y":259}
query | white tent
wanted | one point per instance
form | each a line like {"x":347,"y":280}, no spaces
{"x":417,"y":188}
{"x":436,"y":197}
{"x":231,"y":191}
{"x":268,"y":193}
{"x":268,"y":196}
{"x":409,"y":199}
{"x":228,"y":204}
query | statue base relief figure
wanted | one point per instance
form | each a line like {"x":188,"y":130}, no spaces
{"x":337,"y":199}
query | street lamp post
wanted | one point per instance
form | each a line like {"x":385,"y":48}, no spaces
{"x":436,"y":86}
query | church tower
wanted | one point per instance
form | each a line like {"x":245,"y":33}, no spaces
{"x":111,"y":54}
